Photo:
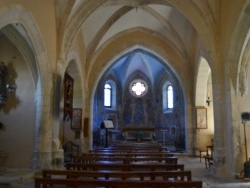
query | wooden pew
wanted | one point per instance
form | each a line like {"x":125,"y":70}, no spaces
{"x":122,"y":175}
{"x":116,"y":183}
{"x":125,"y":167}
{"x":131,"y":154}
{"x":135,"y":146}
{"x":125,"y":160}
{"x":129,"y":149}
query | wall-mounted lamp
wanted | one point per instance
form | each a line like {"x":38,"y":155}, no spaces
{"x":5,"y":88}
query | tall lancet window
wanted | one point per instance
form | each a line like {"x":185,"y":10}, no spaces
{"x":107,"y":95}
{"x":170,"y":96}
{"x":168,"y":102}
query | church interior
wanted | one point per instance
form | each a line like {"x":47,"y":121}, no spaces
{"x":91,"y":73}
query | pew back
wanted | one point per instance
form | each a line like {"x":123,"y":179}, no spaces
{"x":125,"y":160}
{"x":117,"y":183}
{"x":122,"y":175}
{"x":130,"y":154}
{"x":124,"y":167}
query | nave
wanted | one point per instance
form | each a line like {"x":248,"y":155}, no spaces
{"x":25,"y":178}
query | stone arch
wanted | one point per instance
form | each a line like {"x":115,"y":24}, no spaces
{"x":107,"y":62}
{"x":126,"y":43}
{"x":242,"y":86}
{"x":192,"y":12}
{"x":239,"y":38}
{"x":202,"y":78}
{"x":17,"y":14}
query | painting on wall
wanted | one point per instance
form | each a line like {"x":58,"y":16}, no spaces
{"x":76,"y":119}
{"x":201,"y":118}
{"x":68,"y":97}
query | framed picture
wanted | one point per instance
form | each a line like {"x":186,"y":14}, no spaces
{"x":201,"y":118}
{"x":68,"y":97}
{"x":76,"y":122}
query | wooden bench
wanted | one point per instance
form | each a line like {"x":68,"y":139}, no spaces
{"x":135,"y":144}
{"x":131,"y":154}
{"x":125,"y":160}
{"x":124,"y":150}
{"x":116,"y":183}
{"x":146,"y":146}
{"x":122,"y":175}
{"x":125,"y":167}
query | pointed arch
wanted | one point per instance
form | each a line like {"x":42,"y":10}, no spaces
{"x":17,"y":14}
{"x":201,"y":86}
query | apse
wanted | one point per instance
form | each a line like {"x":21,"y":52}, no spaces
{"x":143,"y":96}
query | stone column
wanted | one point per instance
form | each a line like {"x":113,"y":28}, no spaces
{"x":42,"y":156}
{"x":87,"y":136}
{"x":221,"y":132}
{"x":57,"y":151}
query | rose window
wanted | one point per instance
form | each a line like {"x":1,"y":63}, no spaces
{"x":138,"y":88}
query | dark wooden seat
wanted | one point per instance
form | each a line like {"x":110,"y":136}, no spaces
{"x":131,"y":154}
{"x":209,"y":157}
{"x":130,"y":148}
{"x":126,"y":150}
{"x":125,"y":160}
{"x":121,"y":166}
{"x":201,"y":151}
{"x":122,"y":175}
{"x":116,"y":183}
{"x":124,"y":167}
{"x":70,"y":149}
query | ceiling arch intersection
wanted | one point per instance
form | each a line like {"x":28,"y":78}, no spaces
{"x":88,"y":8}
{"x":133,"y":41}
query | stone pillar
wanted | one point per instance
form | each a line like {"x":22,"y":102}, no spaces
{"x":42,"y":156}
{"x":88,"y":130}
{"x":221,"y":133}
{"x":57,"y":151}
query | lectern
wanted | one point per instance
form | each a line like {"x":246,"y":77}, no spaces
{"x":107,"y":124}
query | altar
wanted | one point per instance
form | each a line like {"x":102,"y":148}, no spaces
{"x":130,"y":133}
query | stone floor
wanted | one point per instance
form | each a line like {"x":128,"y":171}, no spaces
{"x":16,"y":178}
{"x":200,"y":173}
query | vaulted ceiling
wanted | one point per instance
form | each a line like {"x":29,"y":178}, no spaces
{"x":103,"y":20}
{"x":179,"y":24}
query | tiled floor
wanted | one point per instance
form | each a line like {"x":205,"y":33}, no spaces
{"x":24,"y":178}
